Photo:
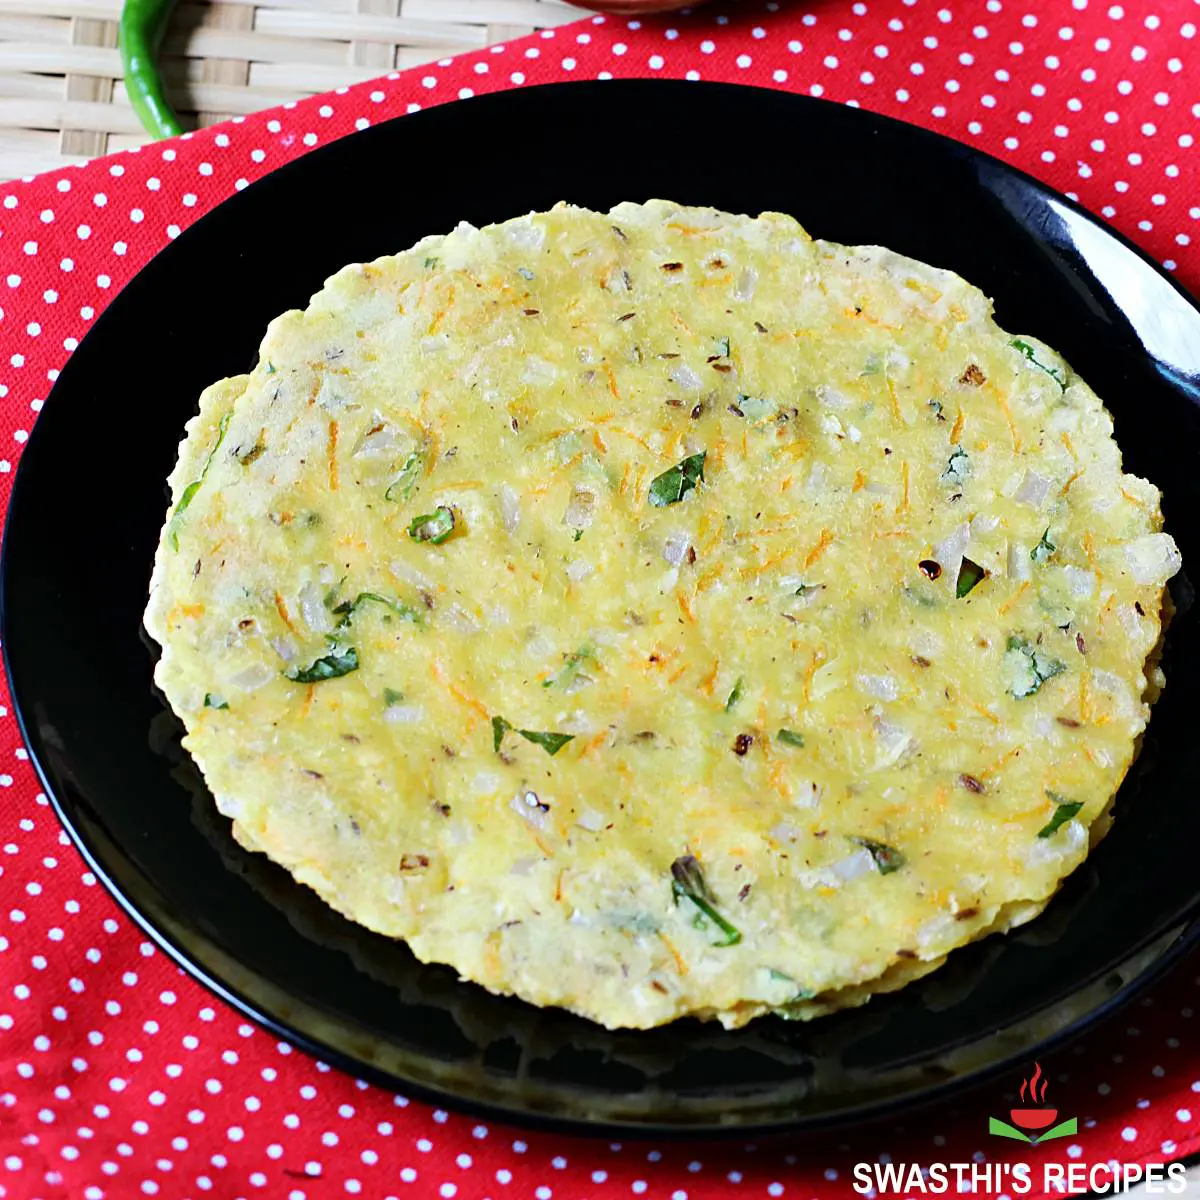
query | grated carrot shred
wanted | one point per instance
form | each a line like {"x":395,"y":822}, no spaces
{"x":333,"y":464}
{"x":281,"y":609}
{"x":902,"y":507}
{"x":680,"y":965}
{"x":957,"y":427}
{"x":612,"y":382}
{"x":1014,"y":598}
{"x":820,"y":548}
{"x":686,"y":608}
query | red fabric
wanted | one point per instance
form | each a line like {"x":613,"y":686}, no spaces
{"x":120,"y":1077}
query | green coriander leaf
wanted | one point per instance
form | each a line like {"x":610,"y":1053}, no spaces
{"x":886,"y":858}
{"x":958,"y":466}
{"x":211,"y":701}
{"x":1065,"y":809}
{"x":348,"y":608}
{"x":332,"y":666}
{"x":1044,"y":548}
{"x":430,"y":263}
{"x":735,"y":695}
{"x":789,"y":737}
{"x":434,"y":527}
{"x":499,"y":728}
{"x":391,"y":696}
{"x":578,"y":535}
{"x":673,"y":484}
{"x":969,"y":574}
{"x":525,"y":272}
{"x":1028,"y":351}
{"x":1027,"y":668}
{"x":552,"y":743}
{"x":189,"y":492}
{"x":722,"y":347}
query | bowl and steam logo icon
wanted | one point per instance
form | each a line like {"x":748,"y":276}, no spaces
{"x":1033,"y":1115}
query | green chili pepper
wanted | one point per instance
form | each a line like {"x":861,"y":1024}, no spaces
{"x":143,"y":23}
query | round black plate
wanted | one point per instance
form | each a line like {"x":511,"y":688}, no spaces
{"x":89,"y":500}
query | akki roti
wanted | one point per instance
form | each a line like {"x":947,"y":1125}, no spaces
{"x":661,"y":612}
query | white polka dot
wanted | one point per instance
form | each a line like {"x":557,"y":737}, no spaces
{"x":1129,"y":1134}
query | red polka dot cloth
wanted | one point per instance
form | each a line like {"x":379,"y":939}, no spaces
{"x":120,"y":1076}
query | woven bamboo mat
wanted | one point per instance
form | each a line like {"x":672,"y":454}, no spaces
{"x":62,"y":99}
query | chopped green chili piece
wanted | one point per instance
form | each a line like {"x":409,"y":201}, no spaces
{"x":1027,"y":667}
{"x":789,"y":737}
{"x":735,"y":695}
{"x":430,"y":263}
{"x":391,"y":696}
{"x":348,"y":608}
{"x":570,"y":667}
{"x":578,"y":534}
{"x":211,"y":701}
{"x":1044,"y":548}
{"x":331,"y":666}
{"x":672,"y":485}
{"x":401,"y":488}
{"x":688,"y":883}
{"x":434,"y":527}
{"x":189,"y":492}
{"x":1027,"y":350}
{"x":1064,"y":811}
{"x":887,"y":859}
{"x":722,"y":347}
{"x":969,"y":574}
{"x":270,"y":367}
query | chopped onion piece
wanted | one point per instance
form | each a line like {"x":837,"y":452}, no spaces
{"x":831,"y":397}
{"x":675,"y":548}
{"x":402,"y":714}
{"x":383,"y":443}
{"x":579,"y":570}
{"x":854,"y":866}
{"x":746,"y":281}
{"x":1020,"y":565}
{"x":523,"y":866}
{"x":581,"y":509}
{"x":937,"y":931}
{"x":1152,"y":558}
{"x":983,"y":523}
{"x":949,"y":551}
{"x":250,"y":679}
{"x":882,"y":687}
{"x":591,"y":820}
{"x":312,"y":606}
{"x":510,"y":508}
{"x":285,"y":648}
{"x":685,"y":377}
{"x":528,"y":806}
{"x":1033,"y":490}
{"x":807,"y":794}
{"x":1081,"y":582}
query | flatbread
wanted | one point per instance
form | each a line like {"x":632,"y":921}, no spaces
{"x":660,"y":612}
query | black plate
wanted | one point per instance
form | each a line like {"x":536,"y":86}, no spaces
{"x":89,"y":500}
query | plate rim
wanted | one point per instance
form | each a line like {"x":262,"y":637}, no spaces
{"x":1186,"y":922}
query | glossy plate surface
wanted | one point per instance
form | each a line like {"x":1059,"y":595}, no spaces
{"x":89,"y":499}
